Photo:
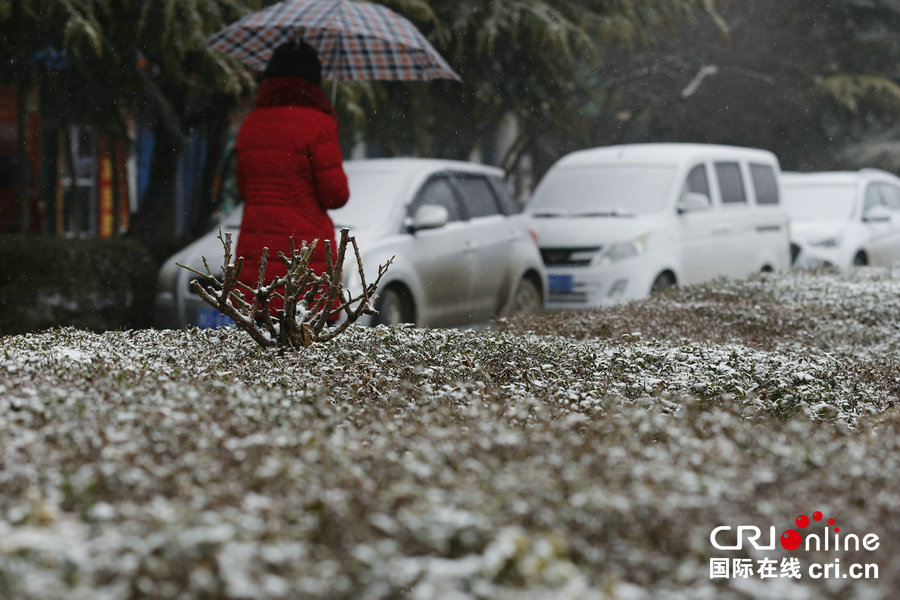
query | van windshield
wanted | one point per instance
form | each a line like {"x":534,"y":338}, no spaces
{"x":821,"y":202}
{"x":597,"y":190}
{"x":373,"y":195}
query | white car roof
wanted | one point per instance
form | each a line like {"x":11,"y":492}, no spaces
{"x":835,"y":177}
{"x":662,"y":154}
{"x":417,"y":165}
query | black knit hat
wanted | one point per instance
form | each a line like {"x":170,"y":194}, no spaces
{"x":295,"y":59}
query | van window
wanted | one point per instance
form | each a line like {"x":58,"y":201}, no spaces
{"x":373,"y":193}
{"x":599,"y":190}
{"x":872,"y":198}
{"x":438,"y":191}
{"x":818,"y":201}
{"x":697,"y":182}
{"x":890,"y":196}
{"x":477,"y":196}
{"x":764,"y":183}
{"x":730,"y":183}
{"x":508,"y":204}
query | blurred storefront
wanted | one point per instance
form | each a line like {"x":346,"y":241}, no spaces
{"x":74,"y":180}
{"x":20,"y":161}
{"x":58,"y":179}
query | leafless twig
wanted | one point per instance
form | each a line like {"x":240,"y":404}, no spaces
{"x":311,"y":301}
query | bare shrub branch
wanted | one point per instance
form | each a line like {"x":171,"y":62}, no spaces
{"x":310,"y":301}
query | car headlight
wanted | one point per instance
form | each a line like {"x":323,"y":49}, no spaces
{"x":622,"y":251}
{"x":830,"y":242}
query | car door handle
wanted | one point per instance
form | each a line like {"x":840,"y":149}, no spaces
{"x":470,"y":248}
{"x":721,"y":230}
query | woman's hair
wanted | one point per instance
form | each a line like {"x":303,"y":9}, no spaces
{"x":295,"y":59}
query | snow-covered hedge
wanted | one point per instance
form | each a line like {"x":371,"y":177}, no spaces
{"x":587,"y":460}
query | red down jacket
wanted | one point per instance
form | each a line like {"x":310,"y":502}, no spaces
{"x":289,"y":172}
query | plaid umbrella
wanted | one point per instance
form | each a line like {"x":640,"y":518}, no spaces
{"x":354,"y":40}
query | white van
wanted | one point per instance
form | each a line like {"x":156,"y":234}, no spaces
{"x":843,"y":218}
{"x":616,"y":223}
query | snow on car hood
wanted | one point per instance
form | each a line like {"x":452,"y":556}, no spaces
{"x":813,"y":231}
{"x":579,"y":231}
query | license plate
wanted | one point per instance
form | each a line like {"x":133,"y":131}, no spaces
{"x":210,"y":318}
{"x":560,"y":283}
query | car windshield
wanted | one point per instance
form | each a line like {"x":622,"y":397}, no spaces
{"x":595,"y":190}
{"x":819,"y":202}
{"x":373,"y":194}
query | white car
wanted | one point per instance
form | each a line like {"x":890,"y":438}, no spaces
{"x":462,"y":249}
{"x":843,"y":218}
{"x":619,"y":222}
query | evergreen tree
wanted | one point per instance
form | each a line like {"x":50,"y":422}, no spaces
{"x":121,"y":59}
{"x":524,"y":59}
{"x":816,"y":84}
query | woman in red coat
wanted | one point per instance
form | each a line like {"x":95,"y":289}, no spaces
{"x":289,"y":165}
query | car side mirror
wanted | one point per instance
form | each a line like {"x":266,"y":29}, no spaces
{"x":693,"y":202}
{"x":877,"y":214}
{"x":429,"y":216}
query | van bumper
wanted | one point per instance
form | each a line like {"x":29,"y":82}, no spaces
{"x":811,"y":257}
{"x":592,"y":288}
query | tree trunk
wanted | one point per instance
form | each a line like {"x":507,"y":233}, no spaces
{"x":24,"y":162}
{"x":155,"y":218}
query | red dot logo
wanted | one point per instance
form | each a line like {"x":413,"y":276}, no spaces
{"x":831,"y":521}
{"x":802,"y":521}
{"x":791,"y":540}
{"x":817,"y":516}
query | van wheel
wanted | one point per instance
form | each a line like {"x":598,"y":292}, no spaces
{"x":663,"y":282}
{"x":527,"y":299}
{"x":860,"y":260}
{"x":394,"y":307}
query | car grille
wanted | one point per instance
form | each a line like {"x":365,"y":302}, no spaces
{"x":569,"y":257}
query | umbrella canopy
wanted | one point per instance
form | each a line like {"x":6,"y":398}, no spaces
{"x":354,"y":40}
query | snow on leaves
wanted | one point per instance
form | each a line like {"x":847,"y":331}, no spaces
{"x":439,"y":463}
